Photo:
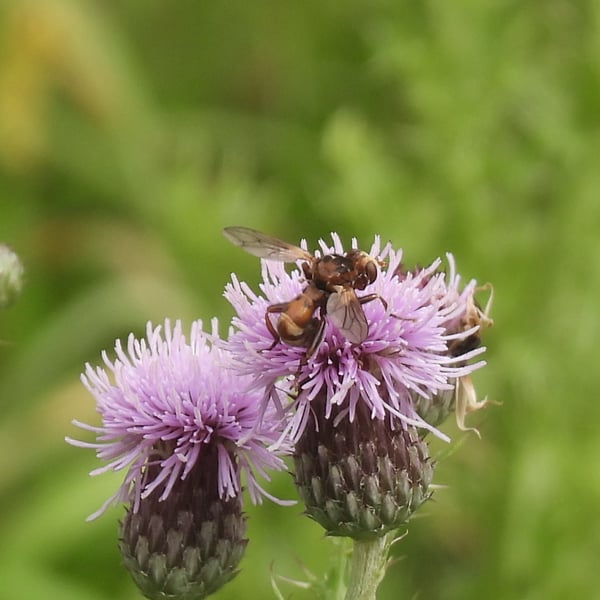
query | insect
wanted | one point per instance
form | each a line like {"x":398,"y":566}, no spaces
{"x":332,"y":281}
{"x":465,"y":396}
{"x":473,"y":316}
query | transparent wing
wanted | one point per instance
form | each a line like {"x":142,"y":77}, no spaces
{"x":265,"y":246}
{"x":346,"y":313}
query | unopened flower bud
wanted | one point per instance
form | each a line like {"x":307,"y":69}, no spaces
{"x":360,"y":478}
{"x":188,"y":545}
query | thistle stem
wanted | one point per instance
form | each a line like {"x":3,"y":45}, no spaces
{"x":367,"y":568}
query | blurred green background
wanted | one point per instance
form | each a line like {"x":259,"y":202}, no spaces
{"x":132,"y":131}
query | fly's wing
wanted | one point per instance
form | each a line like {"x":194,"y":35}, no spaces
{"x":346,"y":313}
{"x":265,"y":246}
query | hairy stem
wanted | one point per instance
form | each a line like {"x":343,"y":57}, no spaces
{"x":367,"y":568}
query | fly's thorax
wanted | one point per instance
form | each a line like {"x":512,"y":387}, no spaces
{"x":355,"y":269}
{"x":332,"y":270}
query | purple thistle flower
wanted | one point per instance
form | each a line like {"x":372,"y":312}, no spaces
{"x":168,"y":404}
{"x":404,"y":356}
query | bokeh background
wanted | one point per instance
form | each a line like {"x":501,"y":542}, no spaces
{"x":132,"y":131}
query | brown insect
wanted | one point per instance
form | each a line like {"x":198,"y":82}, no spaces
{"x":473,"y":316}
{"x":332,"y":281}
{"x":465,"y":396}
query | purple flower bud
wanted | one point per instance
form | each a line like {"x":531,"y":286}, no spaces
{"x":360,"y":478}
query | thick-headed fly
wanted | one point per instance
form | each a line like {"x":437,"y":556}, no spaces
{"x":332,"y":281}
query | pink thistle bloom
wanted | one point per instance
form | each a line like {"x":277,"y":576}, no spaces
{"x":166,"y":404}
{"x":405,"y":354}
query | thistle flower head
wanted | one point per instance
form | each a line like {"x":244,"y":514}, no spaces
{"x":168,"y":405}
{"x":404,"y":354}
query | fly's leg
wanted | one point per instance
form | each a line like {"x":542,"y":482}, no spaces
{"x":371,"y":297}
{"x":274,"y":309}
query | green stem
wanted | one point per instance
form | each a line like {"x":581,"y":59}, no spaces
{"x":367,"y":568}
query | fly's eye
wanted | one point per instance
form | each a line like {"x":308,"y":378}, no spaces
{"x":371,"y":271}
